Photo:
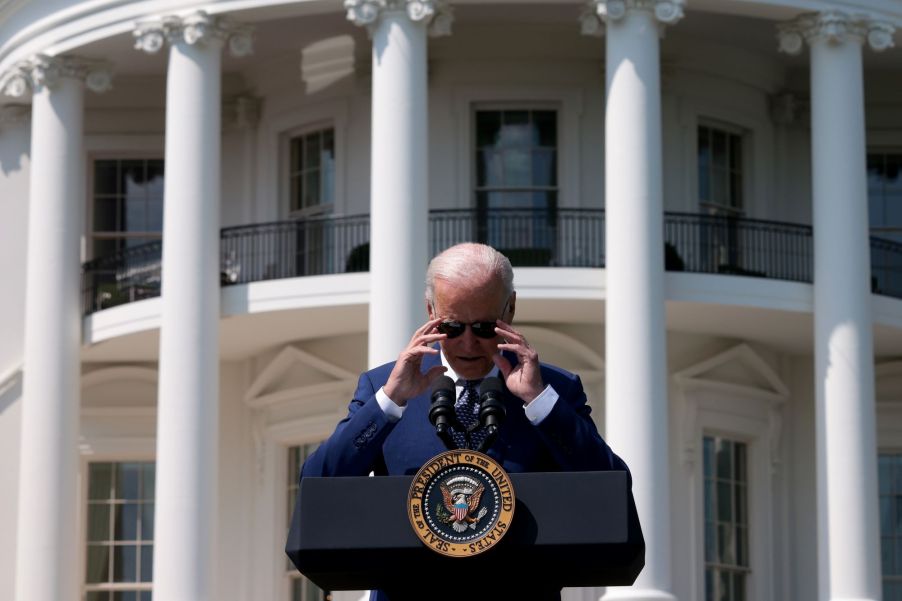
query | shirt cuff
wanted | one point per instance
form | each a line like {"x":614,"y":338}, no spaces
{"x":541,"y":406}
{"x":391,"y":410}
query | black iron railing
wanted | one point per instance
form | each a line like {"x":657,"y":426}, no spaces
{"x":129,"y":275}
{"x":737,"y":246}
{"x":530,"y":237}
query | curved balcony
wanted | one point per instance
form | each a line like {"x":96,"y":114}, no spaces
{"x":531,"y":238}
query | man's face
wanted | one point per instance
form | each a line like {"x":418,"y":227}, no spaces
{"x":469,"y":355}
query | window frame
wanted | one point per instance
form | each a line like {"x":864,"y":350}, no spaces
{"x":321,"y":209}
{"x":121,"y":148}
{"x":731,"y":129}
{"x":109,"y":586}
{"x":276,"y":441}
{"x":566,"y":100}
{"x":105,"y":450}
{"x":746,"y":570}
{"x":272,"y":202}
{"x":744,"y":413}
{"x":878,"y":232}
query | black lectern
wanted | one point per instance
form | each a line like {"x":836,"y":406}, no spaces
{"x":568,"y":529}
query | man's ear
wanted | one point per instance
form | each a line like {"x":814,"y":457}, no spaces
{"x":511,"y":306}
{"x":429,"y":310}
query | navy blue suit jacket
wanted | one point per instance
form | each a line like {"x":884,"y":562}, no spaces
{"x":365,"y":440}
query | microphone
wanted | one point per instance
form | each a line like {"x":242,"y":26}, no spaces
{"x":492,"y":411}
{"x":441,"y":412}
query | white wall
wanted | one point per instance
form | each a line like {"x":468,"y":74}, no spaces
{"x":14,"y":173}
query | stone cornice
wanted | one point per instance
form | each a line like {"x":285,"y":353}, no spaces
{"x":42,"y":71}
{"x":834,"y":27}
{"x":436,"y":14}
{"x":597,"y":13}
{"x":195,"y":29}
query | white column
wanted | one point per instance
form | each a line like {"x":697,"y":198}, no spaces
{"x":399,"y":197}
{"x":848,"y":526}
{"x":188,"y":402}
{"x":46,"y":543}
{"x":635,"y":331}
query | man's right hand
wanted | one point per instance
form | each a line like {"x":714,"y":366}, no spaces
{"x":406,"y":380}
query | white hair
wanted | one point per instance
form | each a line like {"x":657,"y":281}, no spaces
{"x":469,"y":262}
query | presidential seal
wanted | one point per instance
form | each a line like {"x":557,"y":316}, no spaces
{"x":461,"y":503}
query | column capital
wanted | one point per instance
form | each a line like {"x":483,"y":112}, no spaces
{"x":195,"y":29}
{"x":597,"y":13}
{"x":835,"y":27}
{"x":435,"y":14}
{"x":41,"y":71}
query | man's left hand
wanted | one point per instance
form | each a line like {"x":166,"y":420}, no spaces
{"x":525,"y":379}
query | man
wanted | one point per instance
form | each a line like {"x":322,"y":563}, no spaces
{"x":471,"y":303}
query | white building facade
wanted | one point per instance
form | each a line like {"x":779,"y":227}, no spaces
{"x":215,"y":215}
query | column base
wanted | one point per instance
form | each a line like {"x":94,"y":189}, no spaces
{"x":638,"y":594}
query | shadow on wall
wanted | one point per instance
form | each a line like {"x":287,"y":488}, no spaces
{"x":14,"y":143}
{"x":10,"y":391}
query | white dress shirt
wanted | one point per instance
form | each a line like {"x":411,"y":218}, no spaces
{"x":536,"y":411}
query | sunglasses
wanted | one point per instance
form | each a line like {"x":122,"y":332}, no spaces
{"x":481,"y":329}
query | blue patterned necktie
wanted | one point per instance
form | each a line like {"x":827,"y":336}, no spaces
{"x":467,"y":410}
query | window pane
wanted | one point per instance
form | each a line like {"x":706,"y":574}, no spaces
{"x":98,"y":522}
{"x":146,"y":563}
{"x":724,"y":586}
{"x":741,"y":501}
{"x":311,"y":189}
{"x":106,"y":179}
{"x":544,"y":168}
{"x":311,"y":151}
{"x":709,"y":584}
{"x":126,"y":522}
{"x":546,"y":125}
{"x":489,"y":169}
{"x":146,"y":596}
{"x":742,"y":558}
{"x":97,"y":596}
{"x":125,"y":563}
{"x":100,"y":477}
{"x":296,"y":200}
{"x":128,"y":478}
{"x":738,"y":586}
{"x":735,"y":153}
{"x":125,"y":596}
{"x":135,"y":198}
{"x":720,"y":191}
{"x":105,"y":212}
{"x":517,"y":168}
{"x":98,"y":564}
{"x":724,"y":460}
{"x":148,"y":478}
{"x":885,"y":468}
{"x":488,"y":128}
{"x":886,"y":515}
{"x":106,"y":248}
{"x":297,"y":155}
{"x":147,"y":515}
{"x":726,"y":545}
{"x":719,"y":149}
